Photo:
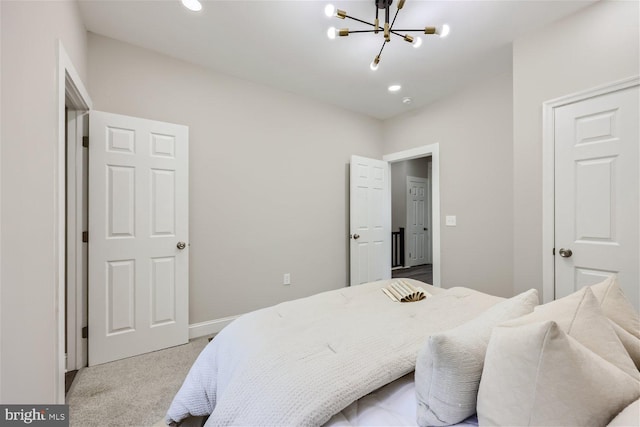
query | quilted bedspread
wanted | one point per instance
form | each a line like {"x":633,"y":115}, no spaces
{"x":300,"y":362}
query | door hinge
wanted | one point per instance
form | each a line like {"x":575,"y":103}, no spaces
{"x":553,"y":251}
{"x":85,"y":141}
{"x":85,"y":332}
{"x":85,"y":236}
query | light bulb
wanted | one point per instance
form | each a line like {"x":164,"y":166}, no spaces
{"x":193,"y":5}
{"x":331,"y":33}
{"x":417,"y":42}
{"x":329,"y":10}
{"x":374,"y":64}
{"x":394,"y":88}
{"x":444,"y":31}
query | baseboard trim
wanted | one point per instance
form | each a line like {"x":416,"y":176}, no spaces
{"x":209,"y":327}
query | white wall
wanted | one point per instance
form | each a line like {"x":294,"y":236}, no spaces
{"x":268,"y":175}
{"x":474,"y":130}
{"x":597,"y":45}
{"x":28,"y":169}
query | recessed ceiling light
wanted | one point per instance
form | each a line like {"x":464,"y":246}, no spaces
{"x":406,"y":100}
{"x":394,"y":88}
{"x":193,"y":5}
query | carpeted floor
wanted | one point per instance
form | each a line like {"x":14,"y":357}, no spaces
{"x":131,"y":392}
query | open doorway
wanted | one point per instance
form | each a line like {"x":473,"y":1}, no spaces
{"x":73,"y":104}
{"x":370,"y":213}
{"x":411,"y":219}
{"x":76,"y":224}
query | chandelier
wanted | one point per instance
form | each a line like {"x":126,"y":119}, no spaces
{"x":387,"y":30}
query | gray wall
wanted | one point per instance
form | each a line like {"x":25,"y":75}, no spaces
{"x":474,"y":130}
{"x":268,"y":178}
{"x":595,"y":46}
{"x":28,"y":164}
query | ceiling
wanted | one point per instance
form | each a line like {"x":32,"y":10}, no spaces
{"x":284,"y":44}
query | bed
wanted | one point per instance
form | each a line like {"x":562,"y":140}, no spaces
{"x":347,"y":357}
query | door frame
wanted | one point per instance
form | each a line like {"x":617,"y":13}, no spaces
{"x":76,"y":250}
{"x":432,"y":150}
{"x":69,"y":89}
{"x":426,"y":216}
{"x":548,"y":173}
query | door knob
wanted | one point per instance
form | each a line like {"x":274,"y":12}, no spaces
{"x":565,"y":253}
{"x":181,"y":245}
{"x":356,"y":236}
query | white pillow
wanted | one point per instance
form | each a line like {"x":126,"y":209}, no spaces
{"x":535,"y":374}
{"x":630,"y":343}
{"x":580,"y":316}
{"x":630,"y":416}
{"x":449,"y":365}
{"x":616,"y":306}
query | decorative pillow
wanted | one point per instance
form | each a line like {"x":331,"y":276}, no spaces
{"x":580,"y":316}
{"x":449,"y":366}
{"x":535,"y":374}
{"x":616,"y":306}
{"x":630,"y":416}
{"x":630,"y":343}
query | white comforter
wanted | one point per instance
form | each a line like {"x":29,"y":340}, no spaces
{"x":298,"y":363}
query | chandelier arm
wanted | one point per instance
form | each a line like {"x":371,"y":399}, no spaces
{"x":382,"y":48}
{"x":397,"y":32}
{"x":373,"y":31}
{"x":360,"y":20}
{"x":420,"y":30}
{"x":361,"y":31}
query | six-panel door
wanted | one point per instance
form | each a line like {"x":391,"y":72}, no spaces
{"x":138,"y":213}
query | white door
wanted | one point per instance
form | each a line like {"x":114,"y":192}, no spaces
{"x":370,"y":218}
{"x":597,"y":192}
{"x":417,"y":229}
{"x":138,"y":222}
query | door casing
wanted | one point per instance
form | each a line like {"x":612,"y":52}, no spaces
{"x":548,"y":174}
{"x":76,"y":257}
{"x":72,"y":92}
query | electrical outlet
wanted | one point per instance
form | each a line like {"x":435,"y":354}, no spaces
{"x":287,"y":279}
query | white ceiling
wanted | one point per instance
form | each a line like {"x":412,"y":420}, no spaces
{"x":284,"y":44}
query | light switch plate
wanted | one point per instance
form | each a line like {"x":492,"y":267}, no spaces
{"x":450,"y":220}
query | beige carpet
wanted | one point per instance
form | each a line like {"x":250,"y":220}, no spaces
{"x":131,"y":392}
